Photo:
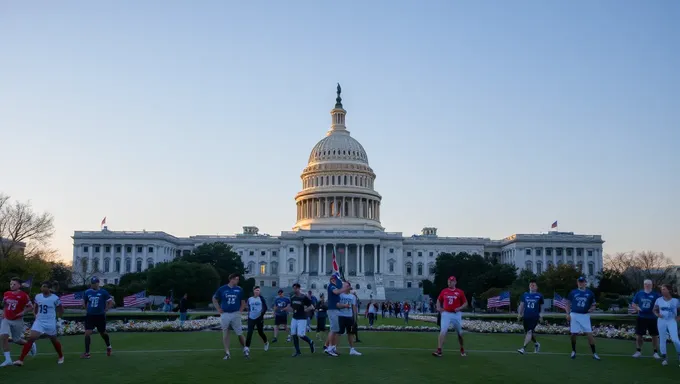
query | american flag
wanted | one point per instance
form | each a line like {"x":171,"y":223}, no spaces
{"x":336,"y":269}
{"x":499,"y":301}
{"x":27,"y":283}
{"x":135,"y":300}
{"x":554,"y":225}
{"x":560,"y":302}
{"x":631,"y":310}
{"x":72,"y":300}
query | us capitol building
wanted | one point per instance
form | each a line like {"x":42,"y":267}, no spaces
{"x":338,"y":211}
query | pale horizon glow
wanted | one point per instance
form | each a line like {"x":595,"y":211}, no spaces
{"x":482,"y":119}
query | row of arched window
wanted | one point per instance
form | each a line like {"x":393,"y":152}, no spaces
{"x":338,"y":180}
{"x":539,"y":266}
{"x":85,"y":266}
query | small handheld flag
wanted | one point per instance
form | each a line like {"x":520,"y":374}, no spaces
{"x":501,"y":300}
{"x":560,"y":302}
{"x":27,"y":283}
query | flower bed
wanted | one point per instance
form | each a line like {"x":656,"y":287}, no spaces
{"x":476,"y":326}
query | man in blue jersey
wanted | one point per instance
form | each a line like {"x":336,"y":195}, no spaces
{"x":335,"y":289}
{"x":531,"y":308}
{"x":280,"y":315}
{"x":230,"y":303}
{"x":96,"y":301}
{"x":643,"y":302}
{"x":580,"y":303}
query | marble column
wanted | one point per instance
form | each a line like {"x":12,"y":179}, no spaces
{"x":306,"y":257}
{"x":375,"y":263}
{"x":346,"y":259}
{"x":319,"y":267}
{"x":322,"y":251}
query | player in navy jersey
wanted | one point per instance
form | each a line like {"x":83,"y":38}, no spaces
{"x":280,"y":315}
{"x":335,"y":289}
{"x":96,"y":301}
{"x":230,"y":303}
{"x":300,"y":305}
{"x":643,"y":303}
{"x":531,"y":308}
{"x":580,"y":303}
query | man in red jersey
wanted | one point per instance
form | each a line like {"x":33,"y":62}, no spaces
{"x":450,"y":303}
{"x":16,"y":302}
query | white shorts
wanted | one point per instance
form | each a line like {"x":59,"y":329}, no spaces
{"x":298,"y":327}
{"x":580,"y":322}
{"x":12,"y":328}
{"x":45,"y":328}
{"x":232,"y":319}
{"x":452,"y":319}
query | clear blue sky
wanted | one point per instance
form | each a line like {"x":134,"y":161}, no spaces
{"x":480,"y":118}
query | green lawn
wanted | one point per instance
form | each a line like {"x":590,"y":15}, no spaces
{"x":398,"y":357}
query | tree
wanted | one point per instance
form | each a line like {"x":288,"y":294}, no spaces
{"x":473,"y":273}
{"x":429,"y":289}
{"x":612,"y":281}
{"x":561,"y":280}
{"x":138,"y":278}
{"x":199,"y":281}
{"x":81,"y":274}
{"x":220,"y":256}
{"x":16,"y":265}
{"x":60,"y":275}
{"x":639,"y":266}
{"x":22,"y":230}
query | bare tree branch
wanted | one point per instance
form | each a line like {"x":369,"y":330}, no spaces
{"x":639,"y":266}
{"x":23,"y":229}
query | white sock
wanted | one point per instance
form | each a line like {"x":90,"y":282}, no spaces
{"x":8,"y":357}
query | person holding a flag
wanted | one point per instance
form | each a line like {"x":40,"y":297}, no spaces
{"x":335,"y":289}
{"x":580,"y":303}
{"x":16,"y":303}
{"x":97,"y":301}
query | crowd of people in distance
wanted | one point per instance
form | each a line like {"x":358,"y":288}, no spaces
{"x":657,"y":315}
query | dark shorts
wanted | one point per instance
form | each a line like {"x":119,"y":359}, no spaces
{"x":280,"y":320}
{"x":346,"y":325}
{"x":530,"y":323}
{"x":644,"y":325}
{"x":97,"y":322}
{"x":321,"y":324}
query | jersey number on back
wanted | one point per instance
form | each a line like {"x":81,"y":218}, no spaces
{"x":94,"y":302}
{"x":531,"y":304}
{"x":42,"y":308}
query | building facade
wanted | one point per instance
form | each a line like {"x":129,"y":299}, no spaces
{"x":338,"y":213}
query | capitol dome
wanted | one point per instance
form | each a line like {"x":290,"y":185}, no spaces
{"x":337,"y":184}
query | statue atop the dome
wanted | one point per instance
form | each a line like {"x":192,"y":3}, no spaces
{"x":338,"y":100}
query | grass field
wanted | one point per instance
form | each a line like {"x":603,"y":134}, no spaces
{"x":398,"y":357}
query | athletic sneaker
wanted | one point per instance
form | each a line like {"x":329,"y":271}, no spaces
{"x":34,"y":350}
{"x":18,"y":363}
{"x":266,"y":347}
{"x":664,"y":362}
{"x":296,"y":354}
{"x":246,"y":352}
{"x":109,"y":350}
{"x":227,"y":356}
{"x":537,"y":347}
{"x":637,"y":354}
{"x":573,"y":354}
{"x":656,"y":356}
{"x":6,"y":363}
{"x":85,"y":356}
{"x":61,"y":360}
{"x":354,"y":352}
{"x":596,"y":357}
{"x":463,"y":354}
{"x":331,"y":352}
{"x":521,"y":351}
{"x":437,"y":353}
